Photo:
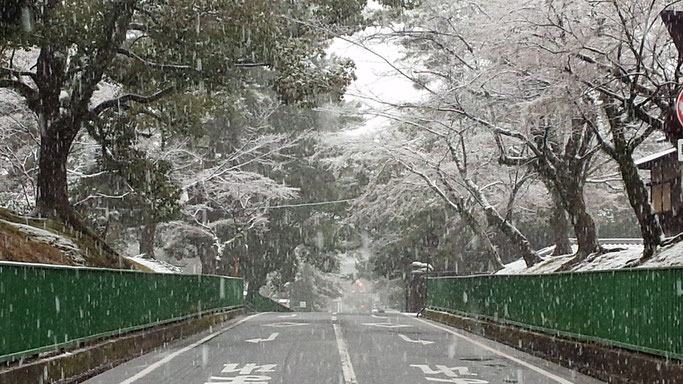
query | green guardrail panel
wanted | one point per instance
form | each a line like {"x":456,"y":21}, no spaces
{"x":44,"y":308}
{"x":640,"y":309}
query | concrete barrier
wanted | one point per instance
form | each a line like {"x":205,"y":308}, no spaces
{"x":96,"y":356}
{"x":608,"y":363}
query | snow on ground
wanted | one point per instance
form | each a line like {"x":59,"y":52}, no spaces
{"x":190,"y":265}
{"x":63,"y":244}
{"x":671,"y":256}
{"x":611,"y":260}
{"x":155,"y":265}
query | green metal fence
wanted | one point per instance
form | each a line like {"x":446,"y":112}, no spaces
{"x":639,"y":309}
{"x":44,"y":308}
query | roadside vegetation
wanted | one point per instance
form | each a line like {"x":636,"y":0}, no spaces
{"x":165,"y":130}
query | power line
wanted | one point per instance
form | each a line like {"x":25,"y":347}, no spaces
{"x":312,"y":204}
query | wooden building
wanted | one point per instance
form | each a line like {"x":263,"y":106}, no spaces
{"x":666,"y":194}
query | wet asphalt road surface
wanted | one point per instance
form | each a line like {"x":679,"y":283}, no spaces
{"x":315,"y":348}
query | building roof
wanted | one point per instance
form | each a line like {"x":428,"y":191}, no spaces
{"x":647,"y":161}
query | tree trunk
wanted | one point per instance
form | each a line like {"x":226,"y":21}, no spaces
{"x":638,"y":197}
{"x":207,"y":256}
{"x":560,"y":226}
{"x":147,"y":236}
{"x":52,"y":197}
{"x":575,"y":164}
{"x":235,"y":264}
{"x":586,"y":235}
{"x":583,"y":223}
{"x":495,"y":220}
{"x":516,"y":237}
{"x":637,"y":193}
{"x":57,"y":133}
{"x":491,"y":250}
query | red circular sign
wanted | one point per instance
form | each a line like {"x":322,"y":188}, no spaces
{"x":679,"y":107}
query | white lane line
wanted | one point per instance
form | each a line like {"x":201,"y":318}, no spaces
{"x":347,"y":368}
{"x":168,"y":358}
{"x":502,"y":354}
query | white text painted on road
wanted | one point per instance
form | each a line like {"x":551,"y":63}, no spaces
{"x":248,"y":369}
{"x":168,"y":358}
{"x":270,"y":338}
{"x":499,"y":353}
{"x":408,"y":339}
{"x":442,"y":369}
{"x":453,"y":375}
{"x":245,"y":374}
{"x":251,"y":379}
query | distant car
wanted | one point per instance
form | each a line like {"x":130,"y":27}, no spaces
{"x":378,"y":310}
{"x":357,"y":302}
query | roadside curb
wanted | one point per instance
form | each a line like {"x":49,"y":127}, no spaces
{"x":77,"y":365}
{"x":610,"y":364}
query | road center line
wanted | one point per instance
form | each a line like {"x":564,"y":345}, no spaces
{"x":347,"y":368}
{"x":502,"y":354}
{"x":168,"y":358}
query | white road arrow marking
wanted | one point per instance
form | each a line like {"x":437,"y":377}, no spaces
{"x":173,"y":355}
{"x":249,"y":369}
{"x":270,"y":338}
{"x":408,"y":339}
{"x":387,"y":325}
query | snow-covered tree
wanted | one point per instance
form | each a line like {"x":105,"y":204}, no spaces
{"x":152,"y":50}
{"x":621,"y":69}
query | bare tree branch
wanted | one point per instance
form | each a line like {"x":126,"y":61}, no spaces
{"x":125,"y":99}
{"x":19,"y":87}
{"x":132,"y":55}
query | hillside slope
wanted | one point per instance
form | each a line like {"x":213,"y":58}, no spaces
{"x":45,"y":241}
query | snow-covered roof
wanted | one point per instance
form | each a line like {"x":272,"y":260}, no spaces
{"x":646,"y":161}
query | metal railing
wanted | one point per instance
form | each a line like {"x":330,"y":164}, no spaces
{"x":44,"y":308}
{"x":639,"y":309}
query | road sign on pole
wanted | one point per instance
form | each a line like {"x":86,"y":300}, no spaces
{"x":679,"y":107}
{"x":680,"y":150}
